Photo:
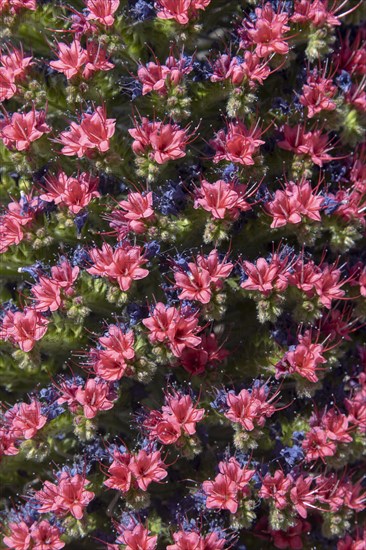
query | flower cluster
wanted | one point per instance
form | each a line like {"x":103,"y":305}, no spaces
{"x":183,"y":274}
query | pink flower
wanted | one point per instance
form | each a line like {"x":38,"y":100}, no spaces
{"x":295,"y":201}
{"x":74,"y":60}
{"x":28,"y":419}
{"x":19,"y":537}
{"x":102,"y":11}
{"x":45,"y":536}
{"x":119,"y":473}
{"x":277,"y":488}
{"x":175,"y":327}
{"x":317,"y":445}
{"x":265,"y":276}
{"x":186,"y":541}
{"x":70,"y":58}
{"x":317,"y":94}
{"x":24,"y":128}
{"x":292,"y":537}
{"x":24,"y":328}
{"x":96,"y":60}
{"x":7,"y":85}
{"x":221,"y":493}
{"x":147,"y":467}
{"x":64,"y":274}
{"x":313,"y":144}
{"x":304,"y":359}
{"x":97,"y":130}
{"x":124,"y":264}
{"x":15,"y":6}
{"x":135,"y":214}
{"x":222,"y":199}
{"x":302,"y":496}
{"x":15,"y":63}
{"x":181,"y":409}
{"x":162,"y":142}
{"x":153,"y":77}
{"x":315,"y":12}
{"x":242,"y":409}
{"x":110,"y":363}
{"x":328,"y":286}
{"x":68,"y":495}
{"x":180,"y":10}
{"x":118,"y":343}
{"x":237,"y":143}
{"x":158,"y":78}
{"x":94,"y":132}
{"x":75,"y":193}
{"x":137,"y":538}
{"x":72,"y":496}
{"x":47,"y":294}
{"x":10,"y":231}
{"x":94,"y":397}
{"x":241,"y":476}
{"x":267,"y":32}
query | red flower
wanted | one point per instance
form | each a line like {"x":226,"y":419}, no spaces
{"x":292,"y":537}
{"x":208,"y":352}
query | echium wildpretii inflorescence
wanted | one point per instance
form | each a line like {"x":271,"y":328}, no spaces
{"x":183,"y":274}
